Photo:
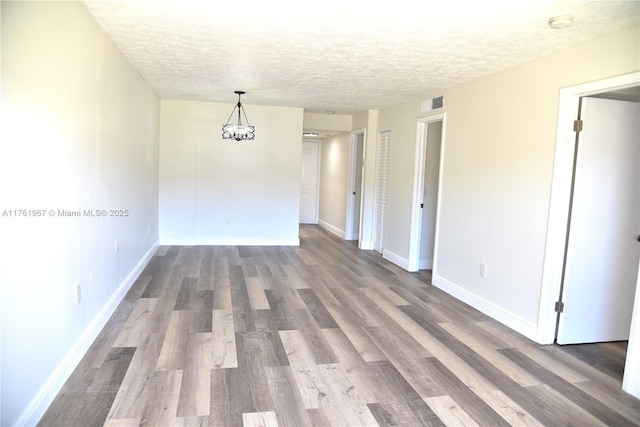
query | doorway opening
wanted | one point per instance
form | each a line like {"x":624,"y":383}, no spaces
{"x":559,"y":221}
{"x":355,"y":185}
{"x":426,"y":190}
{"x":309,"y":184}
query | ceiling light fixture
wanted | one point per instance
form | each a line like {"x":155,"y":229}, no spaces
{"x":560,"y":22}
{"x":310,"y":134}
{"x":238,"y":131}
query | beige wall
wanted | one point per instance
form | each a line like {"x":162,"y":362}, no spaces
{"x":79,"y":132}
{"x":401,"y":121}
{"x":225,"y":192}
{"x":497,"y":171}
{"x":498,"y":124}
{"x":327,"y":122}
{"x":360,"y":121}
{"x":334,"y":169}
{"x":496,"y":180}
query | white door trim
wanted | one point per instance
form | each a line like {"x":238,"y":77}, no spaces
{"x":419,"y":171}
{"x":560,"y":191}
{"x":319,"y":159}
{"x":349,"y":232}
{"x":559,"y":209}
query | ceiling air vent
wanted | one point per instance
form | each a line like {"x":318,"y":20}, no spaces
{"x":432,"y":104}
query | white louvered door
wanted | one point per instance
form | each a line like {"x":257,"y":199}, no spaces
{"x":382,"y":189}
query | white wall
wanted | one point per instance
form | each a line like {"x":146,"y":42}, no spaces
{"x":79,"y":131}
{"x":334,"y":170}
{"x":215,"y":191}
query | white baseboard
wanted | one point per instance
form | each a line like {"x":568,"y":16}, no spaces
{"x":168,"y":241}
{"x":177,"y":241}
{"x":503,"y":316}
{"x":47,"y":393}
{"x":332,"y":229}
{"x":396,"y":259}
{"x":425,"y":264}
{"x":249,"y":242}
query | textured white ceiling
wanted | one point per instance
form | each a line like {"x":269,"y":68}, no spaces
{"x":340,"y":55}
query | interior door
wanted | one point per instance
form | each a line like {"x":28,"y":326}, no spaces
{"x":309,"y":183}
{"x":382,"y":189}
{"x":357,"y":187}
{"x":603,"y":251}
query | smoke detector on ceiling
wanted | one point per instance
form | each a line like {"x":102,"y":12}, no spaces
{"x":560,"y":22}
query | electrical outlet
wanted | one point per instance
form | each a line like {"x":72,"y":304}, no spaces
{"x":483,"y":270}
{"x":78,"y":294}
{"x":227,"y":221}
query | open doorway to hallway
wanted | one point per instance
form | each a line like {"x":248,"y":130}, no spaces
{"x":429,"y":140}
{"x":355,"y":187}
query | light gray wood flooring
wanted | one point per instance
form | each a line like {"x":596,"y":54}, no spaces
{"x":322,"y":334}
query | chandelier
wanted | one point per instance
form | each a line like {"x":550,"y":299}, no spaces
{"x":238,"y":131}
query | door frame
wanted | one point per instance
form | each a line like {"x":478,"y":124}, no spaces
{"x":419,"y":170}
{"x":349,"y":232}
{"x":316,"y":215}
{"x":560,"y":192}
{"x":559,"y":212}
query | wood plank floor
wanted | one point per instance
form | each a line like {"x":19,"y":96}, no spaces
{"x":321,"y":334}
